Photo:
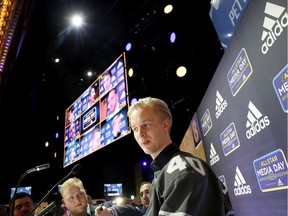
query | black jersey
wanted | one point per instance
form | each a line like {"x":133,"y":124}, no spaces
{"x":184,"y":185}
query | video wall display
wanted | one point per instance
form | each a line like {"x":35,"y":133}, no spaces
{"x":99,"y":116}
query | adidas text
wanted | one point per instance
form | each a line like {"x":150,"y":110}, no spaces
{"x":257,"y":127}
{"x":214,"y":160}
{"x":221,"y":108}
{"x":242,"y":190}
{"x":276,"y":32}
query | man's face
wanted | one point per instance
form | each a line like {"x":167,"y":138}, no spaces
{"x":23,"y":206}
{"x":75,"y":200}
{"x":107,"y":81}
{"x":149,"y":130}
{"x":144,"y":194}
{"x":117,"y":123}
{"x":112,"y":101}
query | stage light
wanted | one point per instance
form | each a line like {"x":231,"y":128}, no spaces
{"x":130,"y":72}
{"x":89,"y":73}
{"x":77,"y":20}
{"x":144,"y":163}
{"x":128,"y":47}
{"x":181,"y":71}
{"x":168,"y":8}
{"x":134,"y":100}
{"x":172,"y":37}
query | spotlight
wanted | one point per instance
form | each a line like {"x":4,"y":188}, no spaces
{"x":134,"y":100}
{"x":181,"y":71}
{"x":168,"y":8}
{"x":172,"y":37}
{"x":128,"y":46}
{"x":130,"y":72}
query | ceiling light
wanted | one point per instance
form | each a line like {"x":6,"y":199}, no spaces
{"x":168,"y":8}
{"x":172,"y":37}
{"x":128,"y":46}
{"x":77,"y":20}
{"x":181,"y":71}
{"x":130,"y":72}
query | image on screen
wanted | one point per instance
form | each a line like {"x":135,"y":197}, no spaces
{"x":98,"y":117}
{"x":112,"y":190}
{"x":27,"y":189}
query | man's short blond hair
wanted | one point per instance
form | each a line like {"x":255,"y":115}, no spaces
{"x":71,"y":182}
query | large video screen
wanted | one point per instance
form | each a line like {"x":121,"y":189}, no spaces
{"x":112,"y":190}
{"x":27,"y":189}
{"x":98,"y":117}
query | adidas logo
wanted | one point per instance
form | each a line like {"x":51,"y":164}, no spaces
{"x":240,"y":184}
{"x":274,"y":22}
{"x":221,"y":104}
{"x":255,"y":122}
{"x":214,"y":157}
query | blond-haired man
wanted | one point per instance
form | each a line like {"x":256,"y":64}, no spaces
{"x":74,"y":198}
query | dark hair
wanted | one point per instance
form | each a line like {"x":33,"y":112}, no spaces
{"x":145,"y":182}
{"x":19,"y":196}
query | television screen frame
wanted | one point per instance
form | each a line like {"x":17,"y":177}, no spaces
{"x":109,"y":189}
{"x":82,"y":118}
{"x":26,"y":189}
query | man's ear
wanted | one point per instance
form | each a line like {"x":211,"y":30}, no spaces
{"x":167,"y":124}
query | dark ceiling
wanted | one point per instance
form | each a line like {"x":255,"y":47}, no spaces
{"x":37,"y":90}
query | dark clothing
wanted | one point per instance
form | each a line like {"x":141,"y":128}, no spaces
{"x":185,"y":185}
{"x":91,"y":210}
{"x":122,"y":210}
{"x":126,"y":210}
{"x":142,"y":210}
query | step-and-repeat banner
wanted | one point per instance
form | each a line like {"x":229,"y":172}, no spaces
{"x":242,"y":119}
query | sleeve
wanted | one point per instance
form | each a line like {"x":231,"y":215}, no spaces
{"x":125,"y":210}
{"x":190,"y":188}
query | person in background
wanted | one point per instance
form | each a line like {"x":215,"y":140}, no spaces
{"x":23,"y":204}
{"x":144,"y":196}
{"x":126,"y":208}
{"x":74,"y":198}
{"x":4,"y":210}
{"x":183,"y":183}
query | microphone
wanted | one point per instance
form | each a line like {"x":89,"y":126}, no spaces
{"x":76,"y":169}
{"x":37,"y":168}
{"x":73,"y":171}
